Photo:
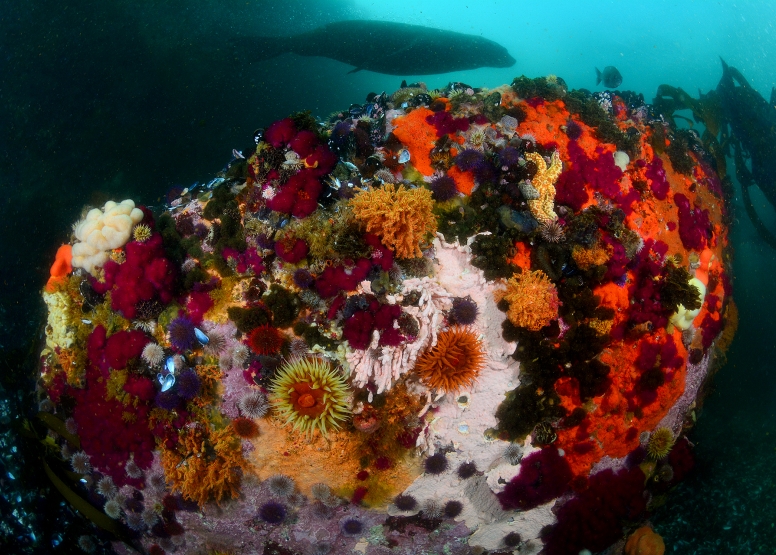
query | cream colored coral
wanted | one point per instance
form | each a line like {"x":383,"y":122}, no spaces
{"x":544,"y":182}
{"x":59,"y":332}
{"x":102,"y":231}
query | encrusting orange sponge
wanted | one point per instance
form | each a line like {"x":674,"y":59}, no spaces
{"x":61,"y":267}
{"x":645,"y":541}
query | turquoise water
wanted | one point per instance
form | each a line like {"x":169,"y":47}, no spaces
{"x":130,"y":99}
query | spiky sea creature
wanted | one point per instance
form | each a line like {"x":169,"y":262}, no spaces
{"x":660,"y":443}
{"x":106,"y":487}
{"x":454,"y":362}
{"x":153,"y":354}
{"x":254,"y":404}
{"x":141,"y":233}
{"x":80,"y":462}
{"x":310,"y":394}
{"x":552,"y":232}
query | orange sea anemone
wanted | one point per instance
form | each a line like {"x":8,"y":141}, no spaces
{"x":265,"y":340}
{"x":454,"y":362}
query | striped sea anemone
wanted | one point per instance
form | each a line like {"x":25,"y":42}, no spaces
{"x":265,"y":340}
{"x":311,"y":395}
{"x":454,"y":362}
{"x":660,"y":443}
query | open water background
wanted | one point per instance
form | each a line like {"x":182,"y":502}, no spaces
{"x":128,"y":99}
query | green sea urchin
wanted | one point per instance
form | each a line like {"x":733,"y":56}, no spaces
{"x":310,"y":394}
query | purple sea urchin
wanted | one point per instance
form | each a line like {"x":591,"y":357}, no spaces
{"x":435,"y":464}
{"x":468,"y":159}
{"x":508,"y":156}
{"x":272,"y":512}
{"x":181,"y":334}
{"x":188,"y":384}
{"x":303,"y":279}
{"x":443,"y":188}
{"x":466,"y":470}
{"x":352,"y":527}
{"x":453,"y":509}
{"x":405,"y":502}
{"x":464,"y":311}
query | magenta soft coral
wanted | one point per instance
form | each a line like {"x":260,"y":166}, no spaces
{"x":694,"y":224}
{"x":594,"y":519}
{"x":291,"y":250}
{"x":544,"y":475}
{"x":445,"y":123}
{"x":600,"y":174}
{"x":361,"y":325}
{"x":244,"y":261}
{"x":280,"y":133}
{"x":656,"y":175}
{"x":145,"y":275}
{"x":298,"y":196}
{"x":342,"y":278}
{"x":110,"y":431}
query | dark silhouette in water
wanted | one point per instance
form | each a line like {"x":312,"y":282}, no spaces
{"x":386,"y":47}
{"x":736,"y":117}
{"x":610,"y":76}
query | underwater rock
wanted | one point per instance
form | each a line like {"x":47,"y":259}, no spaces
{"x":298,"y":361}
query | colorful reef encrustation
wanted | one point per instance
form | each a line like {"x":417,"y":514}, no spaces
{"x":444,"y":319}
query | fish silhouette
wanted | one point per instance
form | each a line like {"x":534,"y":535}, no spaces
{"x":610,"y":76}
{"x":385,"y":47}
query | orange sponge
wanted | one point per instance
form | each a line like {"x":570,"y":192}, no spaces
{"x":645,"y":541}
{"x":61,"y":267}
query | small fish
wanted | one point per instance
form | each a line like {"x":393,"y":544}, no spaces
{"x":610,"y":76}
{"x":237,"y":155}
{"x":404,"y":156}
